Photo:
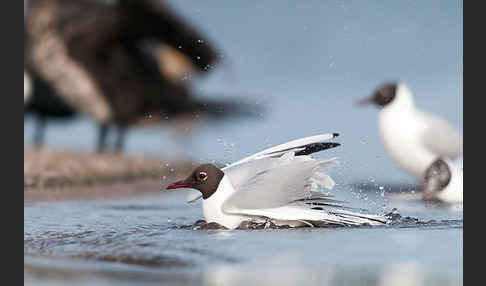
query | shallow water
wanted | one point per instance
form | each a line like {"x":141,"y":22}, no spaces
{"x":145,"y":240}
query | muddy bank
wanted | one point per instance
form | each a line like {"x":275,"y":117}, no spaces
{"x":63,"y":174}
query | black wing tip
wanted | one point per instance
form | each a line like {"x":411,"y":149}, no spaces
{"x":316,"y":147}
{"x":334,"y":135}
{"x":333,"y":144}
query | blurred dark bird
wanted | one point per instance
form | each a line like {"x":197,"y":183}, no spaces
{"x":42,"y":101}
{"x":122,"y":62}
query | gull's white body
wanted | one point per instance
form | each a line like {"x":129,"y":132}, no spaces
{"x":268,"y":186}
{"x":415,"y":139}
{"x":212,"y":210}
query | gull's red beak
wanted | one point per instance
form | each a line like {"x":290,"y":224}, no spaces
{"x":180,"y":184}
{"x":364,"y":101}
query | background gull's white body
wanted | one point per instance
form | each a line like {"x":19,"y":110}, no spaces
{"x":415,"y":139}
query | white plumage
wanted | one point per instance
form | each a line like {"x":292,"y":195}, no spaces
{"x":413,"y":138}
{"x":279,"y":186}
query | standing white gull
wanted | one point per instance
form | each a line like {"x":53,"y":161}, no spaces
{"x":413,"y":139}
{"x":279,"y":184}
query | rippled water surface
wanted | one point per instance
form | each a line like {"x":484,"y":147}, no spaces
{"x":145,"y":240}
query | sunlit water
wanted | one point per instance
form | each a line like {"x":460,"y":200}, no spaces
{"x":147,"y":240}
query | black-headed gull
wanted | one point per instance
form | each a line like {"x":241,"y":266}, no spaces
{"x":443,"y":181}
{"x":279,"y":184}
{"x":413,"y":139}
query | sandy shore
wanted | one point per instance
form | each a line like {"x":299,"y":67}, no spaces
{"x":64,"y":174}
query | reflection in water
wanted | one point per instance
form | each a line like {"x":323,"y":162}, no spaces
{"x":401,"y":275}
{"x":287,"y":270}
{"x":279,"y":270}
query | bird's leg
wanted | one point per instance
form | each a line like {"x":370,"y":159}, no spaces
{"x":102,"y":133}
{"x":39,"y":132}
{"x":120,"y":139}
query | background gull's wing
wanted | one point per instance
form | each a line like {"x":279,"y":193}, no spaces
{"x":442,"y":138}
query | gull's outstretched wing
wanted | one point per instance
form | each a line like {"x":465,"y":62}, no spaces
{"x":247,"y":167}
{"x":302,"y":146}
{"x":290,"y":179}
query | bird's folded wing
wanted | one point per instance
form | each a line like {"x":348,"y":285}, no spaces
{"x":305,"y":146}
{"x":442,"y":138}
{"x":293,"y":180}
{"x":317,"y":216}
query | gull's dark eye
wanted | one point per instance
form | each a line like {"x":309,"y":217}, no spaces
{"x":202,"y":176}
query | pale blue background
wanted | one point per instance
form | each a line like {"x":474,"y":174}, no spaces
{"x":308,"y":62}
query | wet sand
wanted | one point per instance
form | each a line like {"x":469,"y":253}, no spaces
{"x":66,"y":175}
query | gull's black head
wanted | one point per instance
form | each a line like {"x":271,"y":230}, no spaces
{"x":435,"y":179}
{"x":382,"y":96}
{"x":205,"y":178}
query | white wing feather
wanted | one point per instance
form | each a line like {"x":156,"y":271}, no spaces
{"x":264,"y":160}
{"x":295,"y":145}
{"x":442,"y":138}
{"x":291,"y":213}
{"x":293,"y":178}
{"x":285,"y":188}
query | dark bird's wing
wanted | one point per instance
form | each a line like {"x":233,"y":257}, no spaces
{"x":230,"y":107}
{"x":153,"y":19}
